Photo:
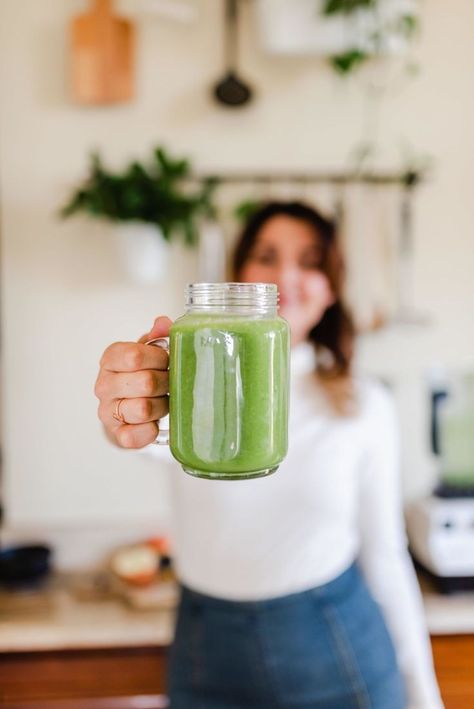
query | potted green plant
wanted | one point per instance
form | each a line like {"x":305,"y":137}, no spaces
{"x":150,"y":204}
{"x":374,"y":26}
{"x":348,"y":32}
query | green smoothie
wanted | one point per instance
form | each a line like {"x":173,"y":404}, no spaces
{"x":229,"y":394}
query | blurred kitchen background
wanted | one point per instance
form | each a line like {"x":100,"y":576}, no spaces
{"x":385,"y":144}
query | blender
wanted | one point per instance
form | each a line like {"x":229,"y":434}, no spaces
{"x":441,"y":526}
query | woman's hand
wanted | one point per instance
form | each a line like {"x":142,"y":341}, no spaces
{"x":135,"y":375}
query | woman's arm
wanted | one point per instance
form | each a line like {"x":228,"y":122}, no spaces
{"x":384,"y":558}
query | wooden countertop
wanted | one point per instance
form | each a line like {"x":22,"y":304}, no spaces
{"x":59,"y":618}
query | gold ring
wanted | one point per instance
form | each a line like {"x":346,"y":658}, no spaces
{"x":117,"y":415}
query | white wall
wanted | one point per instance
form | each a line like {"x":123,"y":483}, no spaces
{"x":63,"y":295}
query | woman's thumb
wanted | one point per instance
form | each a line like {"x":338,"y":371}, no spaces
{"x":161,"y":328}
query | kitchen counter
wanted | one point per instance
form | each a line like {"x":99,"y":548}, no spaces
{"x":447,"y":614}
{"x":59,"y":619}
{"x":86,"y":649}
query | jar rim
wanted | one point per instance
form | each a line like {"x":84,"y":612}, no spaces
{"x":235,"y":285}
{"x":232,"y":294}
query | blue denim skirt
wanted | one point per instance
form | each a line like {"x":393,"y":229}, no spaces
{"x":325,"y":648}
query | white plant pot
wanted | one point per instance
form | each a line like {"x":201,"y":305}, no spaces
{"x":143,"y":252}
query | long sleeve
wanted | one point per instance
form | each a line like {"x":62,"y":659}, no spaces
{"x":384,"y":559}
{"x":166,"y":470}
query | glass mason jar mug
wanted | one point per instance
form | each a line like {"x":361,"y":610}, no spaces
{"x":229,"y":379}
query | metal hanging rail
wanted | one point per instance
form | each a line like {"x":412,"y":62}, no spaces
{"x":407,"y":179}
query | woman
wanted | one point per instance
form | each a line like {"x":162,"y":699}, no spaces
{"x":297,"y":588}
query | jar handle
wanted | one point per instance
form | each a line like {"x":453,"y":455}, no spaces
{"x":163,"y":437}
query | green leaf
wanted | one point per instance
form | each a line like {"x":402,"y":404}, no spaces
{"x":408,"y":25}
{"x":244,"y":210}
{"x":189,"y":232}
{"x":346,"y":7}
{"x":169,"y":167}
{"x":348,"y":61}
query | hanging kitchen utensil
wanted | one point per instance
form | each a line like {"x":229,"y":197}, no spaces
{"x":102,"y":47}
{"x":231,"y":90}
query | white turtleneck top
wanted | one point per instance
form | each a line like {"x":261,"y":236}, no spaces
{"x":335,"y":499}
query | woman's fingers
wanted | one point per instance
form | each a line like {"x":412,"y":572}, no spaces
{"x":161,"y":328}
{"x":137,"y":411}
{"x":133,"y":411}
{"x":132,"y":357}
{"x":137,"y":436}
{"x":146,"y":383}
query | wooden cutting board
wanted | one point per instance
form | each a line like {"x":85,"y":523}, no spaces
{"x":103,"y":49}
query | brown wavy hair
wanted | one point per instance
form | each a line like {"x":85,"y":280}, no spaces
{"x":333,"y":336}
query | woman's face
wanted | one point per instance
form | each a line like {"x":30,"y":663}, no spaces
{"x":287,"y":252}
